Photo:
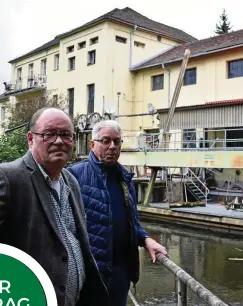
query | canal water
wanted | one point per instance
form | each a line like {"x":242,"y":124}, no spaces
{"x":206,"y":257}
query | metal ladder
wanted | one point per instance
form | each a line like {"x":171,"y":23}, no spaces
{"x":196,"y":187}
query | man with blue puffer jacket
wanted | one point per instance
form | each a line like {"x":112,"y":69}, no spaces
{"x":112,"y":219}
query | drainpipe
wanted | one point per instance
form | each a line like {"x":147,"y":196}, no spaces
{"x":163,"y":67}
{"x":131,"y":46}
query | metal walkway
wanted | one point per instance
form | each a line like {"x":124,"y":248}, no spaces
{"x":210,"y":209}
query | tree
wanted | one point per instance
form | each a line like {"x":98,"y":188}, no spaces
{"x":13,"y":144}
{"x":224,"y":25}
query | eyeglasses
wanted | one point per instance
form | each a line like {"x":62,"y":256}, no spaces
{"x":107,"y":141}
{"x":52,"y":137}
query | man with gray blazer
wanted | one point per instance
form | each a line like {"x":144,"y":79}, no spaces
{"x":41,"y":211}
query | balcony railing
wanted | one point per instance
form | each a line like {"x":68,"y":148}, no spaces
{"x":217,"y":139}
{"x":25,"y":83}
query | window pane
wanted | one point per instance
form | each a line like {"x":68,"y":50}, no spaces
{"x":71,"y":63}
{"x":158,"y":82}
{"x":121,"y":39}
{"x":190,"y":77}
{"x":56,"y":66}
{"x":94,"y":40}
{"x":82,"y":45}
{"x":91,"y":93}
{"x":189,"y":138}
{"x":235,"y":69}
{"x":91,"y":57}
{"x":71,"y":102}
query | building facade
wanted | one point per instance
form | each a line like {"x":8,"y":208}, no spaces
{"x":90,"y":65}
{"x":122,"y":62}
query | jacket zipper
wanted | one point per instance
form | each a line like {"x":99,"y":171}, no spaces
{"x":110,"y":222}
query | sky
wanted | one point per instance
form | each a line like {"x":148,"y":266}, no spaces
{"x":27,"y":24}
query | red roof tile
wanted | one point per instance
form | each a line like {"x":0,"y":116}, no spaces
{"x":206,"y":105}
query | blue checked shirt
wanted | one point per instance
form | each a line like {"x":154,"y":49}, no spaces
{"x":59,"y":193}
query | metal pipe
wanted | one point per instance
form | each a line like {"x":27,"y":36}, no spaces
{"x":103,"y":105}
{"x":163,"y":67}
{"x":118,"y":104}
{"x":133,"y":298}
{"x":190,"y":282}
{"x":131,"y":46}
{"x":135,"y":115}
{"x":177,"y":91}
{"x":181,"y":293}
{"x":225,"y":138}
{"x":16,"y":127}
{"x":185,"y":192}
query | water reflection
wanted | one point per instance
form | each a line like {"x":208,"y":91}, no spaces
{"x":204,"y":256}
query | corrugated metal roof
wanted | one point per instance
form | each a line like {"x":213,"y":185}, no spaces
{"x":197,"y":48}
{"x":127,"y":16}
{"x":210,"y":116}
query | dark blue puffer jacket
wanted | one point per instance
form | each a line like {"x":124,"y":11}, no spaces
{"x":95,"y":195}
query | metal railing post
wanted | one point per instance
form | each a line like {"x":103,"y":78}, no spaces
{"x":181,"y":293}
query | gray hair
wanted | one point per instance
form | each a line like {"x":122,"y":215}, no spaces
{"x":104,"y":124}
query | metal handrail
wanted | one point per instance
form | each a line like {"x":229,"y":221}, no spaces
{"x":35,"y":80}
{"x":176,"y":142}
{"x":194,"y":136}
{"x":183,"y":149}
{"x":187,"y":177}
{"x":213,"y":141}
{"x":184,"y":280}
{"x":205,"y":194}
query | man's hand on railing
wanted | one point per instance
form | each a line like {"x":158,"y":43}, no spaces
{"x":153,"y":248}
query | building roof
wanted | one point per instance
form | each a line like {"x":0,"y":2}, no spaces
{"x":126,"y":16}
{"x":48,"y":45}
{"x":212,"y":104}
{"x":131,"y":17}
{"x":197,"y":48}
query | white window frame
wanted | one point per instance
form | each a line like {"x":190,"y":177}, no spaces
{"x":71,"y":63}
{"x":56,"y":61}
{"x":91,"y":57}
{"x":43,"y":67}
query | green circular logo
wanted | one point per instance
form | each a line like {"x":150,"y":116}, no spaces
{"x":23,"y":282}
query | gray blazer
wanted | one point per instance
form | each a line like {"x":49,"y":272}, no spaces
{"x":27,"y":222}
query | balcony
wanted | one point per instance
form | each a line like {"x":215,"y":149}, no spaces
{"x":25,"y":84}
